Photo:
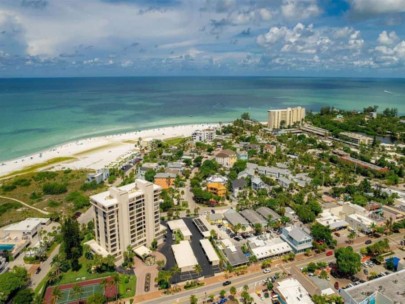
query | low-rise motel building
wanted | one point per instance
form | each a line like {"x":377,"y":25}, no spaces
{"x":126,"y":216}
{"x":165,"y":180}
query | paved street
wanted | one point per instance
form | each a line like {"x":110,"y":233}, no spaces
{"x":45,"y":268}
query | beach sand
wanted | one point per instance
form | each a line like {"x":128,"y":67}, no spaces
{"x":97,"y":152}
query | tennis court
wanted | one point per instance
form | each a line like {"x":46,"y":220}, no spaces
{"x":88,"y":288}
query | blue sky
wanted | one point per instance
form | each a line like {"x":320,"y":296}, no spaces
{"x":202,"y":37}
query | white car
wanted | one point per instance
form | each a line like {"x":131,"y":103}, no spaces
{"x":266,"y":270}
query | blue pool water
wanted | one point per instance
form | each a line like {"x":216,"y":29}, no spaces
{"x":6,"y":247}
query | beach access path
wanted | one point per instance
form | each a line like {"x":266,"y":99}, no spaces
{"x":25,"y":204}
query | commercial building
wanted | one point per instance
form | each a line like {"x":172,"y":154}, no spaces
{"x":127,"y":216}
{"x":165,"y":180}
{"x":356,"y":138}
{"x":216,"y":189}
{"x":360,"y":223}
{"x":184,"y":256}
{"x":210,"y":252}
{"x":285,"y":117}
{"x":206,"y":135}
{"x":253,"y":217}
{"x":290,"y":291}
{"x":180,"y":225}
{"x":385,"y":290}
{"x":226,"y":158}
{"x":233,"y":253}
{"x":332,"y":221}
{"x":265,"y":246}
{"x":297,"y":238}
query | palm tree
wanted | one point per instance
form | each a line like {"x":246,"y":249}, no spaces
{"x":198,"y":269}
{"x":352,"y":235}
{"x":77,"y":291}
{"x":389,"y":225}
{"x":56,"y":294}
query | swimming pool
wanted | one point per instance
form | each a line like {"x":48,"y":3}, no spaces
{"x":6,"y":247}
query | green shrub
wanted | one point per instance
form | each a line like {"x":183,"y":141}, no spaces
{"x":78,"y":199}
{"x":4,"y":207}
{"x":54,"y":188}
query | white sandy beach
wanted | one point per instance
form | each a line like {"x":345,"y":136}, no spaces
{"x":105,"y":149}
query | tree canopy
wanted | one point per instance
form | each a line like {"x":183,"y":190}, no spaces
{"x":348,"y":262}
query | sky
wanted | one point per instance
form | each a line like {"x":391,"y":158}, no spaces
{"x":54,"y":38}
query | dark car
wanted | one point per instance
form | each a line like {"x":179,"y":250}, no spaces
{"x":368,"y":242}
{"x":38,"y":270}
{"x":226,"y":283}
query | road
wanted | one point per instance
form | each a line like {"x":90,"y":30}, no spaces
{"x":45,"y":268}
{"x":254,"y":279}
{"x":25,"y":204}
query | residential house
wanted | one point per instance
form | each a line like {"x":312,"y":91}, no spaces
{"x":258,"y":184}
{"x":226,"y":158}
{"x":238,"y":185}
{"x":99,"y":176}
{"x":243,"y":155}
{"x":165,"y":180}
{"x":217,"y":189}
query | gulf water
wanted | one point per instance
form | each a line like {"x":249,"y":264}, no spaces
{"x":36,"y":114}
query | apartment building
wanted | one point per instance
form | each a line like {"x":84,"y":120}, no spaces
{"x":207,"y":135}
{"x":285,"y":117}
{"x":127,"y":216}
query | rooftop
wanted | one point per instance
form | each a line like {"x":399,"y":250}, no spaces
{"x":184,"y":255}
{"x":298,"y":234}
{"x":235,"y":218}
{"x":253,"y":217}
{"x":225,"y":153}
{"x":390,"y":286}
{"x":107,"y":198}
{"x":27,"y":224}
{"x":328,"y":219}
{"x":265,"y":212}
{"x":293,"y":292}
{"x":265,"y":246}
{"x":209,"y":250}
{"x":179,"y":225}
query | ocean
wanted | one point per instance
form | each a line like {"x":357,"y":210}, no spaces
{"x":39,"y":113}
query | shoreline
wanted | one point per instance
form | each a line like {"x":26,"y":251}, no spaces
{"x":97,"y":152}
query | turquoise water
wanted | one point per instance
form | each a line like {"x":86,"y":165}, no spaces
{"x":36,"y":114}
{"x":6,"y":247}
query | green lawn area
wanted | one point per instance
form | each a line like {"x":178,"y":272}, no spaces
{"x":71,"y":276}
{"x":175,"y":141}
{"x":127,"y":287}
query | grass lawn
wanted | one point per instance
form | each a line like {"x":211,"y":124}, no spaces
{"x":175,"y":141}
{"x":127,"y":290}
{"x":71,"y":276}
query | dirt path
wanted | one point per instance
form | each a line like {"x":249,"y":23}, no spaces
{"x":25,"y":204}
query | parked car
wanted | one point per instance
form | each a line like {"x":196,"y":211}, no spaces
{"x":336,"y":285}
{"x":368,"y":242}
{"x":226,"y":283}
{"x":38,"y":270}
{"x":266,"y":270}
{"x":337,"y":234}
{"x":329,"y":253}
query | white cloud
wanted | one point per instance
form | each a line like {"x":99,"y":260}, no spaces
{"x":299,"y":9}
{"x":373,"y":7}
{"x":387,"y":38}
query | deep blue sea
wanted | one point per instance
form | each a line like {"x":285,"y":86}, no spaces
{"x":36,"y":114}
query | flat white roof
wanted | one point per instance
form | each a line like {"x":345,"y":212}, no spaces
{"x":142,"y":251}
{"x":293,"y":292}
{"x":179,"y":225}
{"x":184,"y":255}
{"x":96,"y":248}
{"x":209,"y":250}
{"x":360,"y":218}
{"x":28,"y":224}
{"x":328,"y":219}
{"x":265,"y":246}
{"x":107,"y":199}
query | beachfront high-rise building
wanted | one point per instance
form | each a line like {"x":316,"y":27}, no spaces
{"x":127,"y":216}
{"x":207,"y":135}
{"x":285,"y":117}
